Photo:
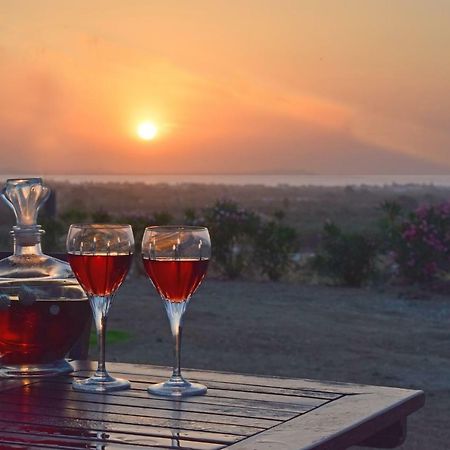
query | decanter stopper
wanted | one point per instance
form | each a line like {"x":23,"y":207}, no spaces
{"x":25,"y":196}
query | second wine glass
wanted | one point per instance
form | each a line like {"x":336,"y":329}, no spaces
{"x":176,"y":259}
{"x":100,"y":256}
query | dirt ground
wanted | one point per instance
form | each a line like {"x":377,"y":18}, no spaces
{"x":286,"y":329}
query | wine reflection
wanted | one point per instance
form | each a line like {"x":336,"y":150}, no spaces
{"x":174,"y":423}
{"x":56,"y":437}
{"x":27,"y":419}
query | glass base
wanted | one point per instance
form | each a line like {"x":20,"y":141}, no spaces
{"x":100,"y":384}
{"x":177,"y":387}
{"x":60,"y":367}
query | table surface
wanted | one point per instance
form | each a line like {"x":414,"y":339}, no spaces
{"x":239,"y":412}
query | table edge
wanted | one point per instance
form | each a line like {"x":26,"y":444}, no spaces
{"x":342,"y":424}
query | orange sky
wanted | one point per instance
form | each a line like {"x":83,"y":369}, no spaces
{"x":343,"y":86}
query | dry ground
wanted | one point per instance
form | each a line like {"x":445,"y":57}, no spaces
{"x":286,"y":329}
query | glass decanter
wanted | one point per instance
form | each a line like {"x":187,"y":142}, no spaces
{"x":43,"y":309}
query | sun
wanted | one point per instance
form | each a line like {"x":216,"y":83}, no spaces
{"x":147,"y":131}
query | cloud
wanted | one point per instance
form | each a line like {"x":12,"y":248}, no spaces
{"x":404,"y":136}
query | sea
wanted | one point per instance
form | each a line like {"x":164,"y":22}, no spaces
{"x":252,"y":179}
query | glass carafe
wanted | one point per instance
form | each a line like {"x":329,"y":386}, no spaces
{"x":43,"y":309}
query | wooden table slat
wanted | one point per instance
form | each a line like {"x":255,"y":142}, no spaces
{"x":277,"y":390}
{"x":142,"y":397}
{"x":96,"y":419}
{"x":296,"y":400}
{"x":142,"y":432}
{"x":12,"y":443}
{"x":103,"y":440}
{"x":43,"y":406}
{"x":326,"y":387}
{"x":91,"y":402}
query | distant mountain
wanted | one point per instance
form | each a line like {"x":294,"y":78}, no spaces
{"x":280,"y":171}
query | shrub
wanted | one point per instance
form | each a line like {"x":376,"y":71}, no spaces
{"x":419,"y":242}
{"x":101,"y":216}
{"x":191,"y":217}
{"x":162,"y":218}
{"x":53,"y":239}
{"x":138,"y":224}
{"x":274,"y":243}
{"x":74,"y":215}
{"x":232,"y":229}
{"x":348,"y":258}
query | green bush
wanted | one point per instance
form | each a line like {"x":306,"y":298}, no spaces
{"x":162,"y":218}
{"x":274,"y":244}
{"x":101,"y":216}
{"x":191,"y":217}
{"x":242,"y":240}
{"x":232,"y":230}
{"x":347,"y":258}
{"x":54,"y":237}
{"x":74,"y":215}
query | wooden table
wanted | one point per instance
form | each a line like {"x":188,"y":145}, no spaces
{"x":240,"y":412}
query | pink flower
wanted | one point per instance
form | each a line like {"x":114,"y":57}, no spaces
{"x":433,"y":241}
{"x":411,"y":262}
{"x":422,"y":211}
{"x":410,"y":233}
{"x":444,"y":209}
{"x":430,"y":268}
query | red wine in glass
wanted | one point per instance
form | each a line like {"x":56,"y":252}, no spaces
{"x":100,"y":274}
{"x":100,"y":256}
{"x":176,"y":259}
{"x":176,"y":279}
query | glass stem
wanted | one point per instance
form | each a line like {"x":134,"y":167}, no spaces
{"x":175,"y":311}
{"x":101,"y":337}
{"x":100,"y":307}
{"x":177,"y":353}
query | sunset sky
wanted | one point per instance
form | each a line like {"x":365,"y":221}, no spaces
{"x":330,"y":87}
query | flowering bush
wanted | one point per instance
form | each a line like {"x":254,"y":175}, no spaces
{"x":420,"y":242}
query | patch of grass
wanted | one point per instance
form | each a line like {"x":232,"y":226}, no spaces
{"x":112,"y":337}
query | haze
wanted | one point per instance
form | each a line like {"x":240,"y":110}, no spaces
{"x":331,"y":87}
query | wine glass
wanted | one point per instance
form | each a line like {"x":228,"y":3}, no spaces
{"x":176,"y":259}
{"x":100,"y":256}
